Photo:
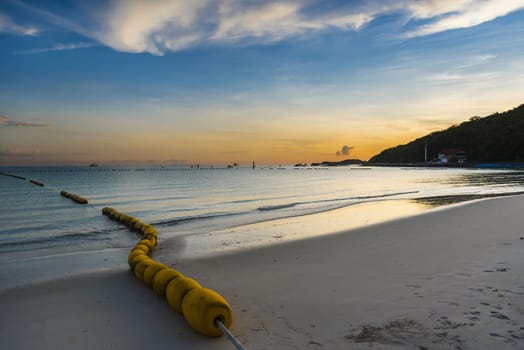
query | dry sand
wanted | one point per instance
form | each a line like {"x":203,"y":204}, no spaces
{"x":449,"y":279}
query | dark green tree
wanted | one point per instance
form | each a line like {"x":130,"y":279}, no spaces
{"x":495,"y":138}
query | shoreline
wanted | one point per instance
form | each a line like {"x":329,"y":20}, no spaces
{"x":262,"y":234}
{"x":443,"y":279}
{"x":20,"y":268}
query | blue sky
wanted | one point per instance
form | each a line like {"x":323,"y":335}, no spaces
{"x":231,"y":81}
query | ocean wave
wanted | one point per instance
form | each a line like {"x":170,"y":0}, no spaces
{"x":254,"y":217}
{"x":280,"y":206}
{"x":185,"y":219}
{"x":332,"y":200}
{"x":66,"y":239}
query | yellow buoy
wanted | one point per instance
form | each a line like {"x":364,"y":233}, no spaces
{"x":147,"y":227}
{"x":138,"y":226}
{"x":134,"y":253}
{"x":147,"y":243}
{"x":124,"y":218}
{"x":151,"y":271}
{"x":131,"y":222}
{"x":177,"y":289}
{"x":142,"y":247}
{"x":162,"y":278}
{"x":137,"y":259}
{"x":141,"y":267}
{"x":149,"y":230}
{"x":107,"y":210}
{"x":152,"y":239}
{"x":202,"y":306}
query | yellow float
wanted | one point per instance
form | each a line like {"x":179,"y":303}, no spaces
{"x":74,"y":197}
{"x":162,"y":278}
{"x":201,"y":307}
{"x":151,"y":271}
{"x":177,"y":289}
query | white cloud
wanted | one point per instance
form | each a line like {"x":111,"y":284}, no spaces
{"x":459,"y":14}
{"x":275,"y":21}
{"x":158,"y":26}
{"x":9,"y":26}
{"x":424,"y":9}
{"x":272,"y":21}
{"x":152,"y":26}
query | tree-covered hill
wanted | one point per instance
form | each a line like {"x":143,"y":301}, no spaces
{"x":495,"y":138}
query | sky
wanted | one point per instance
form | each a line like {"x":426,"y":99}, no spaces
{"x":224,"y":81}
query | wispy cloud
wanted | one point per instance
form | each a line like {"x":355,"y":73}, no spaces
{"x":152,"y":26}
{"x":7,"y":25}
{"x":5,"y":121}
{"x":57,"y":47}
{"x":157,"y":26}
{"x":449,"y":15}
{"x":275,"y":21}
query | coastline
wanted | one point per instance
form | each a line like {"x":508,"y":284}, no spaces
{"x":443,"y":279}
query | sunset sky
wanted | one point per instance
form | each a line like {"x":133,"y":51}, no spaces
{"x":223,"y":81}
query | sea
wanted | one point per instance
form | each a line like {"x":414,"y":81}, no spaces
{"x":209,"y":211}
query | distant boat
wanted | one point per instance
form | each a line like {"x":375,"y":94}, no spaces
{"x":93,"y":165}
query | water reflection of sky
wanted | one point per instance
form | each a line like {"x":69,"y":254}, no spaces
{"x":453,"y":199}
{"x":501,"y":183}
{"x":503,"y":179}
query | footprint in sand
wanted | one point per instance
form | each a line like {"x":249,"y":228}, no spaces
{"x":472,"y":316}
{"x":499,"y":315}
{"x":518,"y":335}
{"x":507,"y":340}
{"x":416,"y":293}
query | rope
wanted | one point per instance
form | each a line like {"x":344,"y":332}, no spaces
{"x":229,"y":335}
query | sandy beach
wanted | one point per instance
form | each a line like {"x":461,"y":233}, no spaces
{"x":448,"y":279}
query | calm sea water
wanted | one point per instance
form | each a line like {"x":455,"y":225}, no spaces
{"x":38,"y":222}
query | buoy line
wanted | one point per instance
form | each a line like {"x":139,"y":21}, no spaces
{"x":76,"y":198}
{"x":34,"y":182}
{"x":38,"y":183}
{"x":201,"y":307}
{"x":205,"y":310}
{"x":15,"y":176}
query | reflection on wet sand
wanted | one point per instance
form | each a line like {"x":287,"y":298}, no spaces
{"x":453,"y":199}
